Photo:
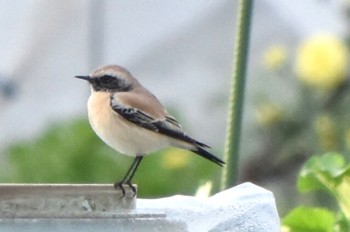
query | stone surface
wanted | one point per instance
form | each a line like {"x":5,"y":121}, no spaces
{"x":64,"y":200}
{"x":48,"y":207}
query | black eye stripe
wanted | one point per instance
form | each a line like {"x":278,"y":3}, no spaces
{"x":107,"y":79}
{"x":110,"y":83}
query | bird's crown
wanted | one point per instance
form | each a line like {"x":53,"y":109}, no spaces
{"x":110,"y":78}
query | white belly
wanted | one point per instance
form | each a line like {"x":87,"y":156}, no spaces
{"x":120,"y":134}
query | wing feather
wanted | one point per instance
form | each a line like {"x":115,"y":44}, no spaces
{"x":167,"y":126}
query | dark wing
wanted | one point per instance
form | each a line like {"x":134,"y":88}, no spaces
{"x":167,"y":126}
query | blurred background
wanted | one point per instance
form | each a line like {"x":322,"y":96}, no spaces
{"x":296,"y":101}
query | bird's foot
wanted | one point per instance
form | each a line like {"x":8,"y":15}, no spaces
{"x":119,"y":185}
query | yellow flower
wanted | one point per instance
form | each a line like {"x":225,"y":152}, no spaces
{"x":285,"y":229}
{"x":204,"y":190}
{"x":274,"y":57}
{"x":322,"y":61}
{"x":268,"y":114}
{"x":175,"y":158}
{"x":327,"y":133}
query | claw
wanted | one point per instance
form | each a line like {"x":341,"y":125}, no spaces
{"x":120,"y":186}
{"x":133,"y":189}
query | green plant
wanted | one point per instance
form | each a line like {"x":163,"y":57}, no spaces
{"x":330,"y":173}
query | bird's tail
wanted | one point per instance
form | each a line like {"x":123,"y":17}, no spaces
{"x":207,"y":155}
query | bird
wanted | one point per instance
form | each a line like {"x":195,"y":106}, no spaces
{"x":131,"y":120}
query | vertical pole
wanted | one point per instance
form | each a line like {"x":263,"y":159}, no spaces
{"x":236,"y":99}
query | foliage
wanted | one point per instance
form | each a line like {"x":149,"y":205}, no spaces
{"x":70,"y":152}
{"x":309,"y":219}
{"x":310,"y":113}
{"x":329,"y":173}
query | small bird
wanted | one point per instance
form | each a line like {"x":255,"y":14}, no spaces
{"x":131,"y":120}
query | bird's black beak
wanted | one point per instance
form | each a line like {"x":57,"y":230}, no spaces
{"x":87,"y":78}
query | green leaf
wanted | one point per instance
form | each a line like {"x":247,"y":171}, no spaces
{"x":342,"y":193}
{"x":322,"y":172}
{"x":302,"y":219}
{"x":328,"y":172}
{"x":342,"y":224}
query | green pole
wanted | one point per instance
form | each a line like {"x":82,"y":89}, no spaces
{"x":236,"y":99}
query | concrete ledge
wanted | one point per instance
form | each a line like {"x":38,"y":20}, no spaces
{"x":89,"y":207}
{"x":65,"y":201}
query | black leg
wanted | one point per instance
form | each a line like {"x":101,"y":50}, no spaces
{"x":129,"y":175}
